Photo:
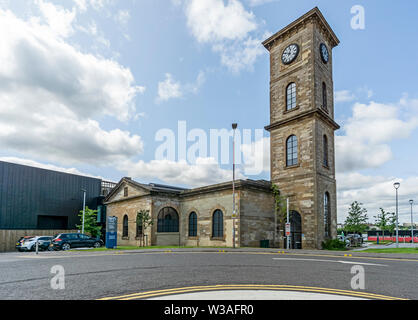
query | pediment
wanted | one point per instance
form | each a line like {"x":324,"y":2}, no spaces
{"x":127,"y":189}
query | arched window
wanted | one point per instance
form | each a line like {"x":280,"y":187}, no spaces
{"x":217,"y":224}
{"x":193,"y":224}
{"x":291,"y":96}
{"x":168,"y":220}
{"x":125,"y":226}
{"x":324,"y":96}
{"x":138,"y":227}
{"x":325,"y":151}
{"x":292,"y":151}
{"x":327,"y":216}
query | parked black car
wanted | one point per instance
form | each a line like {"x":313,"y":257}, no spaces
{"x":66,"y":241}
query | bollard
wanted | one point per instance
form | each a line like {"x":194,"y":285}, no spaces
{"x":37,"y":246}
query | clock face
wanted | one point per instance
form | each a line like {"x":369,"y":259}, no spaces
{"x":290,"y":53}
{"x":324,"y":53}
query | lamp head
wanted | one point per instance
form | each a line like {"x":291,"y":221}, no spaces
{"x":411,"y":202}
{"x":234,"y":126}
{"x":396,"y":185}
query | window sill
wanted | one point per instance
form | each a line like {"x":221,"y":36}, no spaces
{"x":218,"y":238}
{"x":288,"y":111}
{"x":193,"y":238}
{"x":326,"y":167}
{"x":292,"y":167}
{"x":125,"y":238}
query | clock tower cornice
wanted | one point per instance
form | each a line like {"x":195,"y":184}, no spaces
{"x":313,"y":15}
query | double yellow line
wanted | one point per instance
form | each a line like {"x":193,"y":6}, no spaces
{"x":158,"y":293}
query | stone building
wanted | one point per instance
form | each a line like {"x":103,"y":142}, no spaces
{"x":193,"y":217}
{"x":302,"y":156}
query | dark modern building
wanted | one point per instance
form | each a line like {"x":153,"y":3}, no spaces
{"x":33,"y":198}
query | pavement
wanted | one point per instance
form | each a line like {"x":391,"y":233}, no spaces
{"x":158,"y":273}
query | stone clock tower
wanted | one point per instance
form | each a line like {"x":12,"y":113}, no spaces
{"x":302,"y":126}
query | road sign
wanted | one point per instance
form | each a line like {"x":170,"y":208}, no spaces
{"x":287,"y":229}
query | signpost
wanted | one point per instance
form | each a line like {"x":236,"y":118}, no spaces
{"x":111,"y":232}
{"x":288,"y":224}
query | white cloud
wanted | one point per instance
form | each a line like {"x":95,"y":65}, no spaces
{"x":344,"y":96}
{"x":212,"y":20}
{"x":60,"y":20}
{"x":123,"y":17}
{"x":205,"y":171}
{"x":256,"y":156}
{"x":254,"y":3}
{"x":49,"y":93}
{"x":368,"y":134}
{"x":172,"y":89}
{"x":168,"y":89}
{"x":227,"y":27}
{"x":375,"y":192}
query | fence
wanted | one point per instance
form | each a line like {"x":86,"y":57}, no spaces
{"x":8,"y":238}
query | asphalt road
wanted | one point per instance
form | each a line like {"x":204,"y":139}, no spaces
{"x":96,"y":275}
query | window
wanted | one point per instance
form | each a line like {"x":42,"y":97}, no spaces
{"x":292,"y":151}
{"x":324,"y":96}
{"x":168,"y":220}
{"x":193,"y":224}
{"x":138,"y":227}
{"x":325,"y":151}
{"x":217,"y":224}
{"x":125,"y":226}
{"x":125,"y":192}
{"x":327,"y":216}
{"x":291,"y":96}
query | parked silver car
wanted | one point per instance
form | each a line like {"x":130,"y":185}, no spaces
{"x":30,"y":244}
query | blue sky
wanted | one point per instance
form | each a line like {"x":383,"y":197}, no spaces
{"x":85,"y":85}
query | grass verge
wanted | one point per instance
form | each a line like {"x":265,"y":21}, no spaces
{"x":392,"y":250}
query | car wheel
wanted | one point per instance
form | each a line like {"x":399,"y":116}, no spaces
{"x":66,"y":246}
{"x":51,"y":249}
{"x":97,"y":245}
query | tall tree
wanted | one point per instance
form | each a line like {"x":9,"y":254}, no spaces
{"x":356,"y":221}
{"x":90,"y":222}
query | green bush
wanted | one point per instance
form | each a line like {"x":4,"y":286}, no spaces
{"x":333,"y":244}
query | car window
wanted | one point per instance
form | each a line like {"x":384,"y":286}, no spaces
{"x":72,"y":236}
{"x":84,"y":237}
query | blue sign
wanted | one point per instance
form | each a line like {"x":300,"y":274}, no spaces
{"x":112,"y":233}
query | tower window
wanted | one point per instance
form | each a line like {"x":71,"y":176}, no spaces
{"x":291,"y":96}
{"x":324,"y":96}
{"x":125,"y":191}
{"x":327,"y":216}
{"x":292,"y":151}
{"x":325,"y":151}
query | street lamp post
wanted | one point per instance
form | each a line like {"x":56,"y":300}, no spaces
{"x":397,"y":185}
{"x":84,"y":208}
{"x":412,"y":222}
{"x":234,"y":127}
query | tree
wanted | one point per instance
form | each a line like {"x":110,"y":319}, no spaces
{"x":280,"y":209}
{"x":90,"y":223}
{"x":392,"y":223}
{"x":356,"y":221}
{"x":386,"y":221}
{"x":144,"y":220}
